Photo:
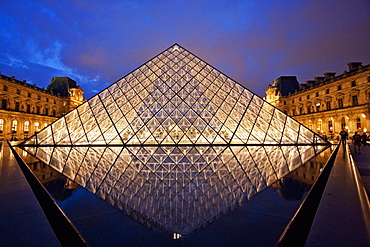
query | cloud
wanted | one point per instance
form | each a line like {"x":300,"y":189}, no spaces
{"x":254,"y":42}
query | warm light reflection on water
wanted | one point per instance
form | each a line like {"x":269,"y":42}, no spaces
{"x":180,"y":197}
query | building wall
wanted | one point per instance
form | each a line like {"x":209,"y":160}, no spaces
{"x":329,"y":104}
{"x":26,"y":109}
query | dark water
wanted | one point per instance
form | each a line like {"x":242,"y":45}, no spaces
{"x":258,"y":221}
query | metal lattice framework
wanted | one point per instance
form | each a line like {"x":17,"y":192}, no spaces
{"x":176,"y":140}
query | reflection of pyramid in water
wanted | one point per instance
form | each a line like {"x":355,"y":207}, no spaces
{"x":175,"y":140}
{"x":179,"y":188}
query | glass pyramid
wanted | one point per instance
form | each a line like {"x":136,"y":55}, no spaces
{"x":175,"y":98}
{"x":175,"y":140}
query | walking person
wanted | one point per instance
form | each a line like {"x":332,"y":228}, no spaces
{"x":356,"y":140}
{"x":364,"y":139}
{"x":343,"y":135}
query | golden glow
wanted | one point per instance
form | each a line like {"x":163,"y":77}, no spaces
{"x":173,"y":99}
{"x":186,"y":101}
{"x":176,"y":236}
{"x":182,"y":187}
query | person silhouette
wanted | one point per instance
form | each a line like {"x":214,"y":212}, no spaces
{"x":356,"y":140}
{"x":343,"y":135}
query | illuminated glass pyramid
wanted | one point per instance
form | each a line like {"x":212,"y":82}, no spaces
{"x":175,"y":98}
{"x":175,"y":140}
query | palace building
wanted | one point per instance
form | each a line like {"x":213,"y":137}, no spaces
{"x":26,"y":109}
{"x":327,"y":104}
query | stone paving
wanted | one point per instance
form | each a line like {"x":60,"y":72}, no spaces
{"x":363,"y":165}
{"x":22,"y":223}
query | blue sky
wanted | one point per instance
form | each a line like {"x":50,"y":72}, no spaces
{"x":254,"y":42}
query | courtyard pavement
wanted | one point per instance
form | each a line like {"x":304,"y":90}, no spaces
{"x":23,"y":222}
{"x":342,"y":218}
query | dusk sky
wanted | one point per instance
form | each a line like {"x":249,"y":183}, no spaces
{"x":98,"y":42}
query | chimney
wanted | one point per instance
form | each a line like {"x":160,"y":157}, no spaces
{"x":310,"y":83}
{"x":329,"y":76}
{"x":352,"y":66}
{"x":319,"y":80}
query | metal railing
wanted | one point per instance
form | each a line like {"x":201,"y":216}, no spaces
{"x":297,"y":231}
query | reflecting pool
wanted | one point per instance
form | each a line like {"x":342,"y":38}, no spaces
{"x":179,"y":195}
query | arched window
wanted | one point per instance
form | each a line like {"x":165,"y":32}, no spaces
{"x":319,"y":125}
{"x":26,"y":126}
{"x":1,"y":125}
{"x":330,"y":125}
{"x":14,"y":126}
{"x":343,"y":123}
{"x":358,"y":122}
{"x":37,"y":126}
{"x":310,"y":124}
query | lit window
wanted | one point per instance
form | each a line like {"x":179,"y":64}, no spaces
{"x":26,"y":126}
{"x":330,"y":125}
{"x":64,"y":103}
{"x":319,"y":125}
{"x":1,"y":125}
{"x":37,"y":126}
{"x":343,"y":123}
{"x":14,"y":125}
{"x":358,"y":122}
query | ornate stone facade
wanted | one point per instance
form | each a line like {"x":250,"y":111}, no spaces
{"x":328,"y":104}
{"x":26,"y":109}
